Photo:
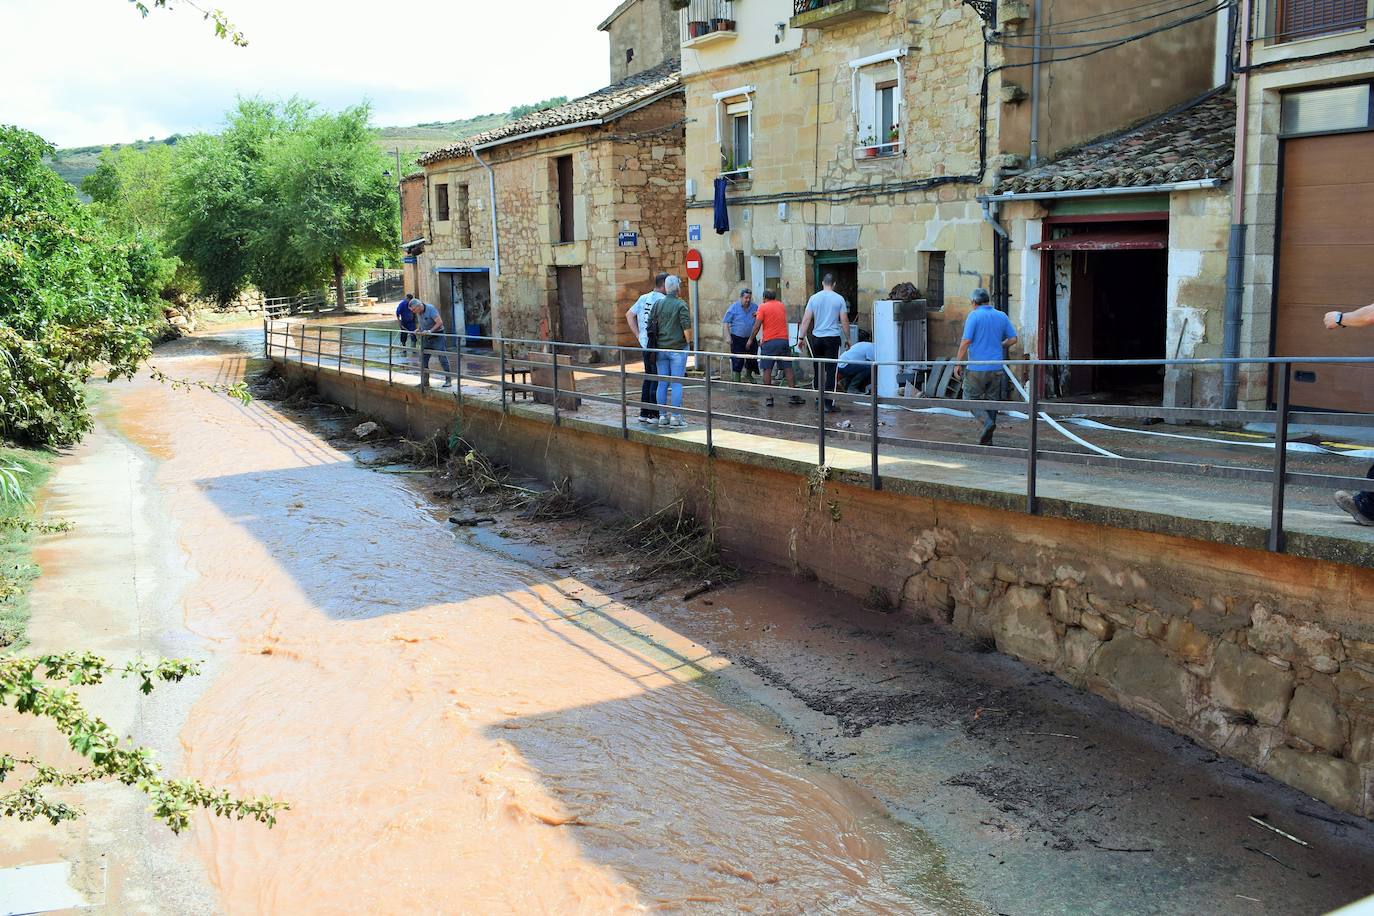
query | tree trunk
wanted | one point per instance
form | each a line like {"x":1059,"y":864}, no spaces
{"x":338,"y":283}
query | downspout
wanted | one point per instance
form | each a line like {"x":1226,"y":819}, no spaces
{"x":1235,"y":253}
{"x":1001,"y":251}
{"x":1035,"y":88}
{"x":495,"y":247}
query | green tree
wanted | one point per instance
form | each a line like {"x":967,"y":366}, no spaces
{"x":73,"y":294}
{"x":334,"y":211}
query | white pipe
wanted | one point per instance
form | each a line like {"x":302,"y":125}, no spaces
{"x":1025,"y":396}
{"x":495,"y":246}
{"x":1194,"y":185}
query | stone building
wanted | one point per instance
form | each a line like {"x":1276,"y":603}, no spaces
{"x":643,"y":34}
{"x":864,"y":138}
{"x":551,"y":226}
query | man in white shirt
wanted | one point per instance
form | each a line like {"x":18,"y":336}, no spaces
{"x":856,"y":363}
{"x":637,"y":317}
{"x":827,"y":320}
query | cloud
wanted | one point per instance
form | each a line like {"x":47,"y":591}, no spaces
{"x":83,"y":72}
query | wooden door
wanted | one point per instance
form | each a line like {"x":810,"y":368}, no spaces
{"x":1326,"y":261}
{"x":572,"y":316}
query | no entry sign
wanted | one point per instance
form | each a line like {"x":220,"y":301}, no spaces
{"x":693,"y":264}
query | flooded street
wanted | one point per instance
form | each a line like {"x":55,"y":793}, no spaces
{"x":454,"y":730}
{"x":481,"y":721}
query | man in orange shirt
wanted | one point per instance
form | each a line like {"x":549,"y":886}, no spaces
{"x":770,"y":326}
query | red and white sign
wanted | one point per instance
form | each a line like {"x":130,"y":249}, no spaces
{"x":693,"y":264}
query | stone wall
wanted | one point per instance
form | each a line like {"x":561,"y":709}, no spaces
{"x":649,"y":28}
{"x":1266,"y":658}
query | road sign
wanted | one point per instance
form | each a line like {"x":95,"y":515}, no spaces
{"x":694,"y":232}
{"x":410,"y":259}
{"x":693,"y":264}
{"x":628,"y":240}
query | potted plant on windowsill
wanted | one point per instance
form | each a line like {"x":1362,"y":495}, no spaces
{"x":697,"y":28}
{"x":894,"y":140}
{"x":870,"y":145}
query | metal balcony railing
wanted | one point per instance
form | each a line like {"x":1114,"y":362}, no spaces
{"x":707,"y":19}
{"x":506,"y":366}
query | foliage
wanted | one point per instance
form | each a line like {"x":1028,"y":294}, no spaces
{"x":223,"y":27}
{"x":22,"y":472}
{"x":282,"y":198}
{"x":73,"y":293}
{"x":41,"y":686}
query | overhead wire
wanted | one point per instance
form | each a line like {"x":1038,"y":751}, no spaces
{"x":1125,"y":10}
{"x":1117,"y":43}
{"x":1126,"y":22}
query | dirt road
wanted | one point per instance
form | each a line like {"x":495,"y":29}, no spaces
{"x":478,"y":723}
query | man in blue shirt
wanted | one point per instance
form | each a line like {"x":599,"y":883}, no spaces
{"x":406,"y":318}
{"x":431,"y":337}
{"x":987,"y":334}
{"x":739,"y":324}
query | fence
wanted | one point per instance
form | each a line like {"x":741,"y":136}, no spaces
{"x":317,"y":300}
{"x":374,"y":352}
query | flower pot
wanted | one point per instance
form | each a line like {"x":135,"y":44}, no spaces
{"x":871,"y":152}
{"x":718,"y":25}
{"x":697,"y":28}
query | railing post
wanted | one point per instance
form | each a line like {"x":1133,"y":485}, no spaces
{"x":1276,"y":537}
{"x":364,"y":356}
{"x":424,"y":365}
{"x":624,"y":408}
{"x":501,"y":348}
{"x":266,"y":340}
{"x":319,"y":346}
{"x":820,"y":413}
{"x":1033,"y":386}
{"x":877,"y":481}
{"x":710,"y":443}
{"x":458,"y":374}
{"x":341,"y":346}
{"x":553,"y":352}
{"x":391,"y":339}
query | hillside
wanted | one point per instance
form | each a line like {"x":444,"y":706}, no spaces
{"x":75,"y":163}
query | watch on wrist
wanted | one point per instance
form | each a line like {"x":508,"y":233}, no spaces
{"x":1340,"y":319}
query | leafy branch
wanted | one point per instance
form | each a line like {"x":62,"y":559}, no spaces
{"x":238,"y":391}
{"x":223,"y":27}
{"x":43,"y":686}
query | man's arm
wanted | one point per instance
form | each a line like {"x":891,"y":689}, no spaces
{"x":631,"y":320}
{"x":1360,"y":318}
{"x":844,"y":324}
{"x":758,"y":324}
{"x":805,"y":327}
{"x":963,"y":355}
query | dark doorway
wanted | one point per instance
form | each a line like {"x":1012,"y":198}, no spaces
{"x":563,"y":173}
{"x":845,"y":266}
{"x":1117,"y":310}
{"x":572,"y":316}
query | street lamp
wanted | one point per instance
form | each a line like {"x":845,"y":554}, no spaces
{"x":400,"y":204}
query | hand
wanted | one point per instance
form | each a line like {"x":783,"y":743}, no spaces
{"x":958,"y":372}
{"x":1331,"y":319}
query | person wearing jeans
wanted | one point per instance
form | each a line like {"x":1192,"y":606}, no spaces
{"x":1360,"y":505}
{"x":673,"y":323}
{"x":826,"y":321}
{"x":431,"y":329}
{"x":987,"y":335}
{"x":638,"y":319}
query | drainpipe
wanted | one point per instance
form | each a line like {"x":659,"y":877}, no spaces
{"x":1035,"y":88}
{"x":495,"y":246}
{"x":1235,"y":253}
{"x":1001,"y":250}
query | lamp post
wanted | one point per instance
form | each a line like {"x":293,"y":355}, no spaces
{"x":400,"y":208}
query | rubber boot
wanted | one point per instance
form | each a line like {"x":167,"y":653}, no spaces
{"x":734,"y":376}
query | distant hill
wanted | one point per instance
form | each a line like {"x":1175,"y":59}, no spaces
{"x":75,"y":163}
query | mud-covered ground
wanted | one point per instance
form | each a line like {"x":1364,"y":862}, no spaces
{"x":1039,"y":797}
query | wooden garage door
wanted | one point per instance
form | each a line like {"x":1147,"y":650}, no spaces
{"x":1326,"y":261}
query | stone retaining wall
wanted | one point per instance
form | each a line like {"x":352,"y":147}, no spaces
{"x":1266,"y":658}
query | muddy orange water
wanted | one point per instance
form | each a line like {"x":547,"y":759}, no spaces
{"x":457,"y":731}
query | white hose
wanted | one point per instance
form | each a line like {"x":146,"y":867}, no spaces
{"x":1025,"y":396}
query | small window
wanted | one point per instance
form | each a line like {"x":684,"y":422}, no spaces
{"x":441,"y":202}
{"x":629,"y":54}
{"x":885,"y":107}
{"x":464,"y":227}
{"x":1325,"y":110}
{"x":877,"y":93}
{"x":564,"y":173}
{"x":935,"y":280}
{"x":739,"y":142}
{"x":1297,"y":19}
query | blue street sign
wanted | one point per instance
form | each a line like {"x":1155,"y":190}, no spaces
{"x":409,"y":259}
{"x":628,"y":240}
{"x":694,"y":233}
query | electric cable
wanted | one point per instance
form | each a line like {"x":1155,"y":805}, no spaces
{"x":1122,"y":42}
{"x":1117,"y":42}
{"x":1117,"y":25}
{"x":1126,"y":10}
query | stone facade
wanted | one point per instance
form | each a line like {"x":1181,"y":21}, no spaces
{"x":643,"y":34}
{"x":813,"y":189}
{"x":627,"y":176}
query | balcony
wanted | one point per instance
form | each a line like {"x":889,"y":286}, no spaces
{"x":705,"y":22}
{"x":823,"y":14}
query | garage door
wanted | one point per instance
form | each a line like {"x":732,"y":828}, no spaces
{"x":1326,"y":261}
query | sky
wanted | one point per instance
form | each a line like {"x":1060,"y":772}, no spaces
{"x":86,"y":72}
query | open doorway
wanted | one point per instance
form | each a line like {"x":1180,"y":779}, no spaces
{"x":465,"y":302}
{"x":845,"y":266}
{"x":1109,"y":300}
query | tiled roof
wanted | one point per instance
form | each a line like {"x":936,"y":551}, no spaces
{"x":600,"y":104}
{"x":1188,"y":144}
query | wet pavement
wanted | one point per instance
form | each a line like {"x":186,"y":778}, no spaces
{"x":488,"y":721}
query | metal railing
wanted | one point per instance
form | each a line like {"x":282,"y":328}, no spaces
{"x":377,"y":352}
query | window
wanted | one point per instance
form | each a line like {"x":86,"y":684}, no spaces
{"x":464,"y":228}
{"x":877,"y":99}
{"x":1307,"y":18}
{"x":935,"y":280}
{"x":629,"y":54}
{"x":735,"y":131}
{"x":563,"y":168}
{"x":1320,"y":111}
{"x":441,"y":202}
